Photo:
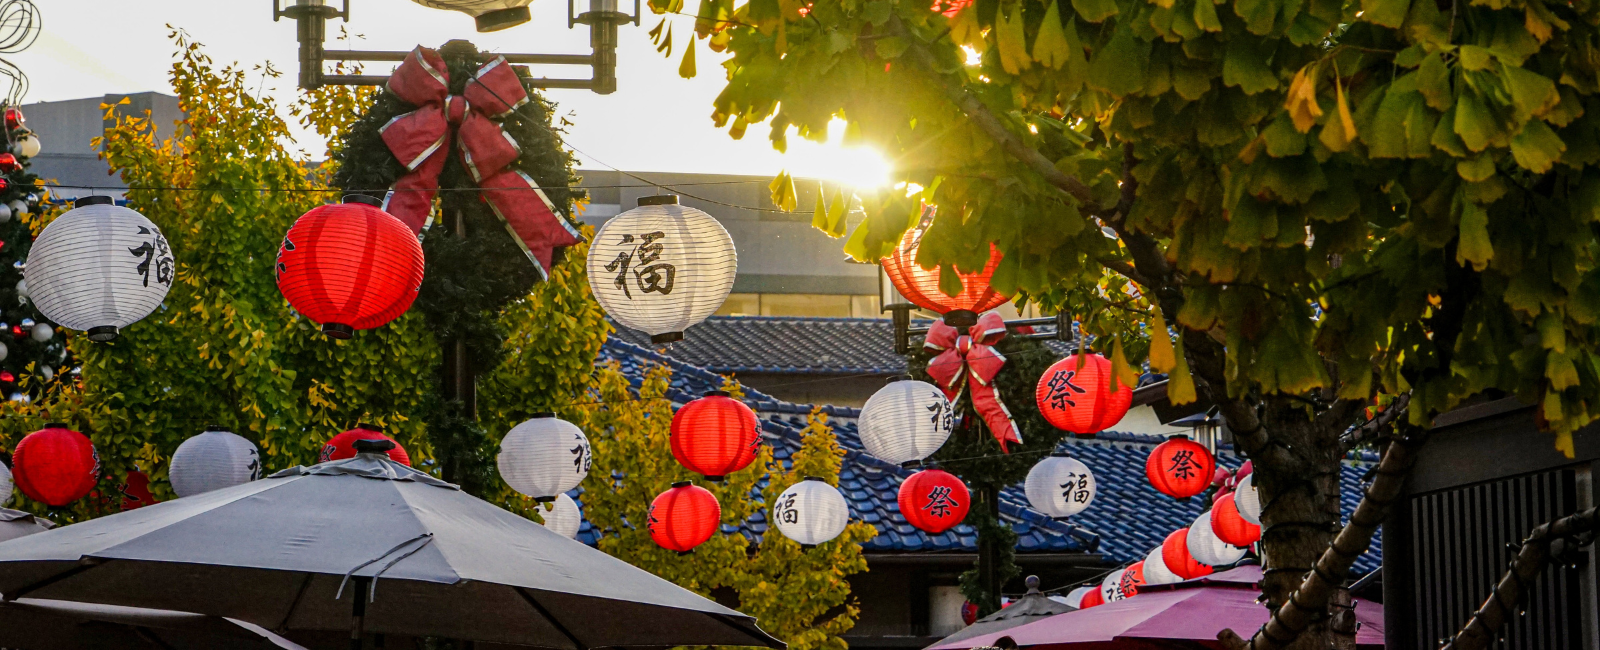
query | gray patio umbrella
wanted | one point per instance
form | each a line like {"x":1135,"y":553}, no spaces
{"x":29,"y":624}
{"x":16,"y":523}
{"x":1027,"y":609}
{"x":369,"y":546}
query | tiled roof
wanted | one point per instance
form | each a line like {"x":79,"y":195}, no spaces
{"x":796,"y":345}
{"x":1128,"y":517}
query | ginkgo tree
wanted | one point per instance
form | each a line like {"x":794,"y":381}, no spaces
{"x":1294,"y":207}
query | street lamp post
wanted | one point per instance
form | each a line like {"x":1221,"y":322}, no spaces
{"x":311,"y":17}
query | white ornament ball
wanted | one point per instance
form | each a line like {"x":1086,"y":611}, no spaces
{"x":1156,"y":571}
{"x":27,"y":146}
{"x":5,"y":213}
{"x":5,"y":484}
{"x":562,"y":516}
{"x":1075,"y":597}
{"x":1207,"y":548}
{"x":43,"y":332}
{"x":18,"y":208}
{"x":905,"y":422}
{"x":1246,"y":496}
{"x":4,"y":352}
{"x":1060,"y":486}
{"x":213,"y":460}
{"x":811,"y":512}
{"x":544,"y":457}
{"x":81,"y":274}
{"x":22,"y":287}
{"x":19,"y":397}
{"x":661,"y":267}
{"x":46,"y":373}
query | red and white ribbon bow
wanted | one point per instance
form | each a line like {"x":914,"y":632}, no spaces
{"x":420,"y":140}
{"x":972,"y":356}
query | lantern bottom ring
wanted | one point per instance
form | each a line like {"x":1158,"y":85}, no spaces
{"x":667,"y":337}
{"x":716,"y":479}
{"x":338,"y":330}
{"x":544,"y":499}
{"x":103,"y":333}
{"x":683,"y":553}
{"x":495,"y":21}
{"x":1085,"y":436}
{"x":961,"y":318}
{"x":911,"y":464}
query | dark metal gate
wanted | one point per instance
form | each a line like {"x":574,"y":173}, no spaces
{"x":1459,"y":553}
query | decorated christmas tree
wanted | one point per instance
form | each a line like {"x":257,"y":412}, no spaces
{"x":33,"y":351}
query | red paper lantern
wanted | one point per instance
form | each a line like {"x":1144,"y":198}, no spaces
{"x":1229,"y":526}
{"x":55,"y":465}
{"x":1175,"y":554}
{"x":8,"y":163}
{"x":921,"y":286}
{"x":715,"y":435}
{"x":14,"y":118}
{"x":343,"y":445}
{"x":1132,"y":579}
{"x":1080,"y":399}
{"x":969,"y":612}
{"x":136,"y":491}
{"x":934,"y":500}
{"x":683,"y":517}
{"x":349,"y":266}
{"x":1092,"y":598}
{"x":1180,"y":467}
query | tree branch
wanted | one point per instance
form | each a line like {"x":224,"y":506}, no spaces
{"x":1375,"y":427}
{"x":1553,"y":539}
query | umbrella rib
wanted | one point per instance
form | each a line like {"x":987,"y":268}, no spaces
{"x":724,"y":620}
{"x":35,"y":586}
{"x":546,"y":614}
{"x":304,"y":585}
{"x":147,"y":635}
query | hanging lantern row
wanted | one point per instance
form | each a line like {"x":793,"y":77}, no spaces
{"x":1206,"y":547}
{"x":661,"y":267}
{"x":905,"y":421}
{"x":683,"y":517}
{"x":1175,"y":555}
{"x":715,"y":435}
{"x":1247,"y":500}
{"x":544,"y":457}
{"x":1060,"y":486}
{"x":934,"y":500}
{"x":1230,"y":526}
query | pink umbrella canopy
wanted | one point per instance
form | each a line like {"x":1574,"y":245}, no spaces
{"x":1193,"y":611}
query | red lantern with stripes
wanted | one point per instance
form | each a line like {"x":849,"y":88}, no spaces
{"x":349,"y":266}
{"x":715,"y":435}
{"x":1092,"y":598}
{"x":1075,"y":395}
{"x":55,"y":465}
{"x":921,"y":286}
{"x":1180,"y":467}
{"x":1132,"y":579}
{"x":343,"y":445}
{"x":683,"y":517}
{"x":934,"y":500}
{"x":1175,"y":554}
{"x":1229,"y":526}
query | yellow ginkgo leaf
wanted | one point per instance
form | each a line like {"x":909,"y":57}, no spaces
{"x":1161,"y":354}
{"x":1302,"y":101}
{"x":686,"y":69}
{"x":1013,"y":44}
{"x":1180,"y":384}
{"x":783,"y":194}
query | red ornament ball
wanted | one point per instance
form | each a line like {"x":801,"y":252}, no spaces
{"x":343,"y":445}
{"x":14,"y":118}
{"x":349,"y":266}
{"x":921,"y":286}
{"x":1079,"y":398}
{"x":9,"y":163}
{"x":55,"y":465}
{"x":715,"y":435}
{"x":6,"y":376}
{"x":683,"y":517}
{"x":934,"y":500}
{"x":1180,"y":467}
{"x":1175,"y":554}
{"x":1092,"y":598}
{"x":1229,"y":526}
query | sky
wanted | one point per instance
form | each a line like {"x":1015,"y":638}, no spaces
{"x":656,"y":121}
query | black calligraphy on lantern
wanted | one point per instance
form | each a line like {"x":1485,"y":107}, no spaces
{"x":643,"y":263}
{"x":582,"y":459}
{"x":650,"y":519}
{"x":254,"y":466}
{"x":157,"y":257}
{"x":1062,"y":389}
{"x":939,"y":501}
{"x":941,"y":413}
{"x":1184,"y":466}
{"x":1077,"y":488}
{"x":279,"y":267}
{"x":787,"y":512}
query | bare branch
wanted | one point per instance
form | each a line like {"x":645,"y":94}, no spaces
{"x":1551,"y":540}
{"x":1376,"y":427}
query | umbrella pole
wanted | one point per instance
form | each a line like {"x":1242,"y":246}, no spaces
{"x":358,"y":612}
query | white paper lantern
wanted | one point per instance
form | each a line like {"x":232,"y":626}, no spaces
{"x":42,"y":332}
{"x":490,"y":15}
{"x":544,"y":457}
{"x":5,"y":484}
{"x":1060,"y":486}
{"x":99,"y":268}
{"x":562,"y":516}
{"x":1111,"y":587}
{"x":1156,"y":571}
{"x":213,"y":460}
{"x":811,"y":512}
{"x":27,"y":146}
{"x":905,"y":421}
{"x":1245,"y":496}
{"x":1207,"y":548}
{"x":1075,"y":597}
{"x":661,"y":267}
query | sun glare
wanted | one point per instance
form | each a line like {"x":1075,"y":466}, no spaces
{"x":833,"y":161}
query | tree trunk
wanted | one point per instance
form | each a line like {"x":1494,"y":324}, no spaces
{"x":1300,"y":498}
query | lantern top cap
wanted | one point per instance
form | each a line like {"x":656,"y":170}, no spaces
{"x":373,"y":446}
{"x":679,"y":484}
{"x":55,"y":425}
{"x":1060,"y":454}
{"x":813,"y":478}
{"x":543,"y":415}
{"x":659,"y":199}
{"x":215,"y":427}
{"x":368,"y":427}
{"x":718,"y":393}
{"x":93,"y":200}
{"x":1032,"y":583}
{"x":363,"y":199}
{"x":894,"y":378}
